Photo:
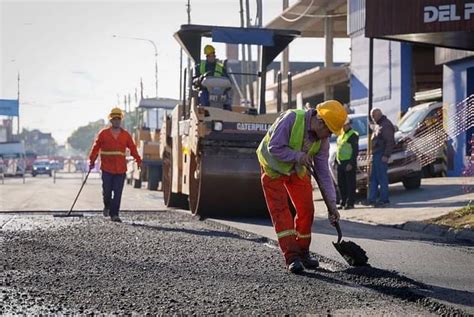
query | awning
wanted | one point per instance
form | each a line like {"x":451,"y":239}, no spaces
{"x":424,"y":21}
{"x":160,"y":103}
{"x":307,"y":16}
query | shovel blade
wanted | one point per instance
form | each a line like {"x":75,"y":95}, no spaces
{"x":352,"y":253}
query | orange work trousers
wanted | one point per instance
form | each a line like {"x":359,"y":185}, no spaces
{"x":294,"y":235}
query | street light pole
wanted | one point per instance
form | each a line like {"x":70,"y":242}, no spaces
{"x":156,"y":56}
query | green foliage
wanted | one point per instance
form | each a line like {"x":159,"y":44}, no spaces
{"x":83,"y":137}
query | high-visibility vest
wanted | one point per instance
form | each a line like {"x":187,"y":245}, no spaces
{"x":271,"y":165}
{"x":218,"y":69}
{"x":344,"y":149}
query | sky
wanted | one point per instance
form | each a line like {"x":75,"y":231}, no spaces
{"x":73,"y":71}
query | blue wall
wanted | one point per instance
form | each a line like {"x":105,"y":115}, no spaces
{"x":392,"y":90}
{"x":456,"y":88}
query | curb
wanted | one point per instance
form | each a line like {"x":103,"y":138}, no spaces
{"x":459,"y":235}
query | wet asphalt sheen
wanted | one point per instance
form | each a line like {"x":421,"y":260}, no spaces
{"x":172,"y":263}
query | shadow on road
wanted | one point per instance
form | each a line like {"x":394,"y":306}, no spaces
{"x":359,"y":230}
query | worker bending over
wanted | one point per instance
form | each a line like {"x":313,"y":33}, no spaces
{"x":296,"y":140}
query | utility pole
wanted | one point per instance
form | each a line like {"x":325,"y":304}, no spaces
{"x":243,"y":65}
{"x":18,"y":96}
{"x":189,"y":77}
{"x":286,"y":52}
{"x":258,"y":23}
{"x":249,"y":53}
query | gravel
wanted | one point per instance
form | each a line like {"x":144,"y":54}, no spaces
{"x":171,"y":263}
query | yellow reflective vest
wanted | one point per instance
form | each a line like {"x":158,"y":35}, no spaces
{"x":344,"y":149}
{"x":271,"y":165}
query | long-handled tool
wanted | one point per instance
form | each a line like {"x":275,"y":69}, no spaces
{"x":69,"y":214}
{"x":350,"y":251}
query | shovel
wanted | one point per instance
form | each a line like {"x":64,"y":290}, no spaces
{"x":69,"y":214}
{"x":350,"y":251}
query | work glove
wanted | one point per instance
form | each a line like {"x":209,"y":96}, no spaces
{"x":139,"y":165}
{"x":333,"y":215}
{"x":348,"y":167}
{"x":306,"y":160}
{"x":91,"y":166}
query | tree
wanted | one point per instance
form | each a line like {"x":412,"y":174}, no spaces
{"x":81,"y":139}
{"x":38,"y":142}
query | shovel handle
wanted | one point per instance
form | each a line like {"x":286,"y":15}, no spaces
{"x":82,"y":186}
{"x":338,"y":227}
{"x":339,"y":232}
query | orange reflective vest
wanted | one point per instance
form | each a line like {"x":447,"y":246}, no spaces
{"x":113,"y":151}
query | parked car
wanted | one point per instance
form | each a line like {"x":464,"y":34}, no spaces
{"x":403,"y":165}
{"x":417,"y":121}
{"x":54,"y":165}
{"x":41,"y":167}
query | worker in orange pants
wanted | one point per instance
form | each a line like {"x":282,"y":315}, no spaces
{"x":297,"y":140}
{"x":293,"y":234}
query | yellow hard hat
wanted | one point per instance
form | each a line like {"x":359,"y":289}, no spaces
{"x":209,"y":49}
{"x":116,"y":113}
{"x":333,"y":114}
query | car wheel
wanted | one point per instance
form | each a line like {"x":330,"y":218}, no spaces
{"x":412,"y":182}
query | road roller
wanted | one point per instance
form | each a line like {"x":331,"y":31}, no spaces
{"x":209,"y":162}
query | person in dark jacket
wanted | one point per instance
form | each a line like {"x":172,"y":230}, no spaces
{"x":383,"y":142}
{"x":346,"y":159}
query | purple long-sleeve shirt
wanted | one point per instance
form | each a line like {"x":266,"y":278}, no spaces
{"x":279,"y":147}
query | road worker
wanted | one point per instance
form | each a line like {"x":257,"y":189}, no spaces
{"x":112,"y":143}
{"x":210,"y":67}
{"x":296,"y":140}
{"x":346,"y":160}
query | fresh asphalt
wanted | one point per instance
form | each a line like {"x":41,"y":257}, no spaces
{"x":443,"y":268}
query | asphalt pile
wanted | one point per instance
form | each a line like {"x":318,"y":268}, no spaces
{"x":172,"y":263}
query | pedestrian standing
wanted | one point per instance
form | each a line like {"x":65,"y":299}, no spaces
{"x":346,"y":160}
{"x":296,"y":140}
{"x":383,"y":142}
{"x":112,"y":143}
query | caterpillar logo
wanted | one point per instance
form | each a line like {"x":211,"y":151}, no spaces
{"x":448,"y":12}
{"x":263,"y":127}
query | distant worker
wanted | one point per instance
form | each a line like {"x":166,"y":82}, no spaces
{"x":346,"y":160}
{"x":112,"y":143}
{"x":210,"y":67}
{"x":383,"y":142}
{"x":296,"y":140}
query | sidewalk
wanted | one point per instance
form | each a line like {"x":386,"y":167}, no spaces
{"x":409,"y":209}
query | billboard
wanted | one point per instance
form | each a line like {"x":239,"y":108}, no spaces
{"x":9,"y":107}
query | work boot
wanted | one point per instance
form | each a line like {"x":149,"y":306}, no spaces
{"x":115,"y":219}
{"x":309,"y":262}
{"x":382,"y":204}
{"x":106,"y":212}
{"x":295,"y":266}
